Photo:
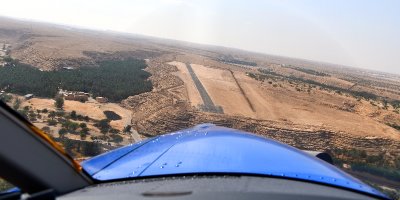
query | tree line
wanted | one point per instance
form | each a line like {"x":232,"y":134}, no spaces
{"x":376,"y":164}
{"x":114,"y":79}
{"x":268,"y":73}
{"x":238,"y":62}
{"x":308,"y":71}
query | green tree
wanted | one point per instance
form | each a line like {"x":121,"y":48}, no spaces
{"x":70,"y":126}
{"x":385,"y":104}
{"x":86,"y":118}
{"x":62,"y":132}
{"x":60,"y":113}
{"x":82,"y":135}
{"x":116,"y":138}
{"x":46,"y":129}
{"x":59,"y":102}
{"x":17,"y":104}
{"x":113,"y":130}
{"x":73,"y":115}
{"x":8,"y":59}
{"x":6,"y":98}
{"x":51,"y":115}
{"x":90,"y":148}
{"x":24,"y":113}
{"x":85,"y":130}
{"x":82,"y":125}
{"x":104,"y":125}
{"x":32,"y":116}
{"x":115,"y":80}
{"x":127,"y":128}
{"x":52,"y":122}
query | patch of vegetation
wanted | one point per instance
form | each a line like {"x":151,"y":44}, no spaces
{"x":84,"y":148}
{"x":8,"y":59}
{"x":388,"y":173}
{"x":59,"y":102}
{"x":103,"y":125}
{"x":115,"y":80}
{"x":361,"y":161}
{"x":116,"y":138}
{"x":17,"y":104}
{"x":238,"y":62}
{"x":269,"y":74}
{"x":70,"y":126}
{"x":111,"y":115}
{"x":395,"y":126}
{"x":6,"y":98}
{"x":396,"y":104}
{"x":127,"y":129}
{"x":308,"y":71}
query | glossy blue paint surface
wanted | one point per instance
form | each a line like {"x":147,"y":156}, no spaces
{"x":211,"y":149}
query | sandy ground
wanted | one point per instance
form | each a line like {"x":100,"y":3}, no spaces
{"x":277,"y":105}
{"x":91,"y":108}
{"x":281,"y":104}
{"x":125,"y":114}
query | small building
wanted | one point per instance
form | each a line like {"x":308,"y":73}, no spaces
{"x":28,"y":96}
{"x":69,"y":96}
{"x":101,"y":99}
{"x":75,"y":96}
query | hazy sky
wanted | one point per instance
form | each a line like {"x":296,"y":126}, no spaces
{"x":360,"y":33}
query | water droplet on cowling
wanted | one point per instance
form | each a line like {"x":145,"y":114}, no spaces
{"x":132,"y":174}
{"x":162,"y":166}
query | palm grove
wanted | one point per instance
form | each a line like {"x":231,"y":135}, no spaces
{"x":115,"y":80}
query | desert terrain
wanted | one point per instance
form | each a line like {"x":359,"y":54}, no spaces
{"x":310,"y":105}
{"x":91,"y":108}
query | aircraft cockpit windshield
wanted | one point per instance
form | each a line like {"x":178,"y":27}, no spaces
{"x":283,"y":98}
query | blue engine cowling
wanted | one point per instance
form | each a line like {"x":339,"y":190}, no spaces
{"x":207,"y":148}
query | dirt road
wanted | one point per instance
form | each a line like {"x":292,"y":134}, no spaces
{"x":135,"y":136}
